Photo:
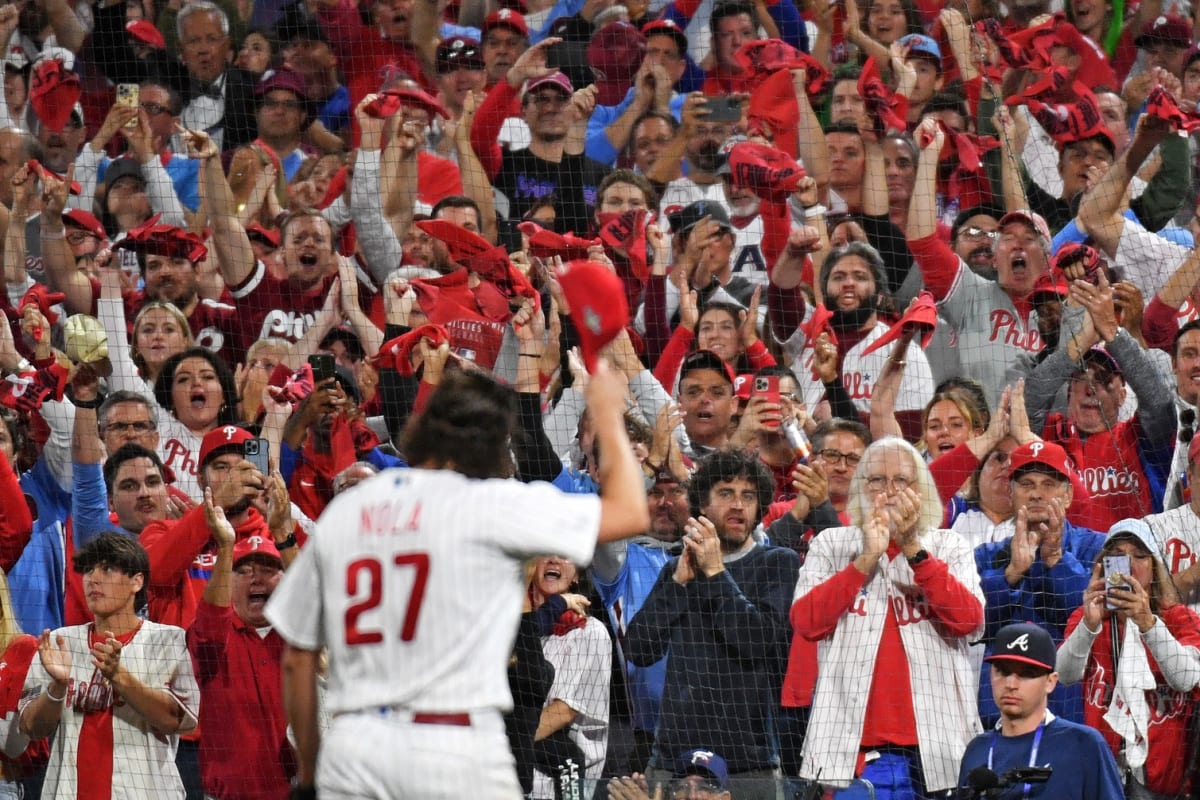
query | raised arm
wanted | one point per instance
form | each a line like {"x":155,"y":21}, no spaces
{"x":474,"y":178}
{"x":24,"y":189}
{"x":623,"y":508}
{"x":373,"y":191}
{"x":1100,"y":210}
{"x":229,"y":237}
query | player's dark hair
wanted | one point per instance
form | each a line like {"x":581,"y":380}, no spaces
{"x":667,"y":118}
{"x":166,"y":379}
{"x":730,"y":465}
{"x":467,"y":427}
{"x":837,"y":424}
{"x":120,"y":551}
{"x":947,"y":101}
{"x":127,"y":452}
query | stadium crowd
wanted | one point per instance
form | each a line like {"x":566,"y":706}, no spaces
{"x":906,"y":295}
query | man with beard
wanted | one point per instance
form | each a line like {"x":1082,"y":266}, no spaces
{"x":699,"y":141}
{"x":169,"y":261}
{"x":719,"y":612}
{"x":623,"y":573}
{"x":972,"y":236}
{"x":1039,"y":573}
{"x":61,"y":146}
{"x":852,"y":278}
{"x":992,"y":319}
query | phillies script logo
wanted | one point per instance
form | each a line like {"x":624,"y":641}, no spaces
{"x":1102,"y":481}
{"x":179,"y":457}
{"x":1180,"y":555}
{"x":908,"y":608}
{"x":90,"y":697}
{"x":1007,"y":328}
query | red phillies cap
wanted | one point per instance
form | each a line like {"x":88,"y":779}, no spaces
{"x":667,"y":27}
{"x":143,"y":30}
{"x":260,"y":548}
{"x":219,"y":439}
{"x":270,"y":236}
{"x":1047,"y":454}
{"x":556,"y":79}
{"x":83,"y":219}
{"x":507,"y":18}
{"x":1165,"y":29}
{"x":1030,"y":218}
{"x":598,"y":304}
{"x":742,"y":385}
{"x":615,"y":54}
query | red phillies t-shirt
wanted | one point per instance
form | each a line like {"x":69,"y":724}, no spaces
{"x":268,"y":306}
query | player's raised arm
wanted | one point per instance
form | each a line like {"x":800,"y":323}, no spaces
{"x":623,"y":509}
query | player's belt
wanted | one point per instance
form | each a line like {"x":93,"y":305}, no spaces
{"x":462,"y":720}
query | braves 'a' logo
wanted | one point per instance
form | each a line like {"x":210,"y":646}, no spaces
{"x":1021,"y":641}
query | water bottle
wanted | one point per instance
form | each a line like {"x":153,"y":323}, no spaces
{"x":796,"y":438}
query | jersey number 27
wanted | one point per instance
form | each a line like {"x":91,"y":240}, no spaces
{"x":370,"y":571}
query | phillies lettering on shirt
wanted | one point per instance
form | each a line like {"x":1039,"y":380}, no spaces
{"x":908,"y":609}
{"x":859,"y":373}
{"x":286,"y":325}
{"x":1180,"y":555}
{"x":1177,"y":533}
{"x":179,"y":457}
{"x":1007,"y":328}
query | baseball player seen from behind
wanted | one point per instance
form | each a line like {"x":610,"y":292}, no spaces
{"x":420,"y":594}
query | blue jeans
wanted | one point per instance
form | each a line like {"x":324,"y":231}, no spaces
{"x":892,"y":776}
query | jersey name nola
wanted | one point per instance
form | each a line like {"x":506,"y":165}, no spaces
{"x":393,"y":516}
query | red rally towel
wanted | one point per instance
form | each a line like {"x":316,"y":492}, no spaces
{"x":397,"y":353}
{"x":922,"y":315}
{"x":887,"y":109}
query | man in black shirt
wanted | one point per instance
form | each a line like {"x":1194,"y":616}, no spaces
{"x":545,"y":168}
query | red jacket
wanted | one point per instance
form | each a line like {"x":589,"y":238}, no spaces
{"x":182,"y":556}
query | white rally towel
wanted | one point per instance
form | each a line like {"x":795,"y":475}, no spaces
{"x":1128,"y":713}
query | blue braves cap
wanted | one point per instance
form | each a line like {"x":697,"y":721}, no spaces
{"x":920,"y":45}
{"x":1025,"y":643}
{"x":705,"y":763}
